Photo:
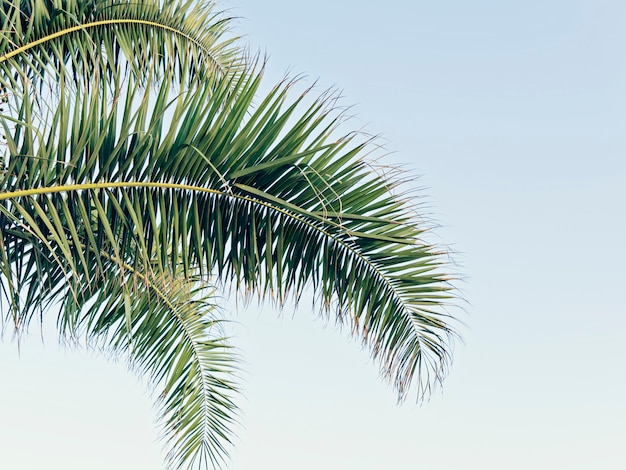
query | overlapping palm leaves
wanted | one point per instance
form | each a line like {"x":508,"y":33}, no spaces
{"x":141,"y":164}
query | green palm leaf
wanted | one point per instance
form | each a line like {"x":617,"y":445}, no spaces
{"x":249,"y":228}
{"x":126,"y":191}
{"x":99,"y":37}
{"x":169,"y":330}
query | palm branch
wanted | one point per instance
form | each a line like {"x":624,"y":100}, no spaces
{"x":125,"y":192}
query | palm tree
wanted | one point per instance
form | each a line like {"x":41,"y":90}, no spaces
{"x":143,"y":169}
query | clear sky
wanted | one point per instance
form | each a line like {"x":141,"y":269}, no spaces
{"x":514,"y":115}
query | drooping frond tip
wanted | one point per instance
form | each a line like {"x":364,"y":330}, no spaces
{"x":420,"y":274}
{"x":169,"y":329}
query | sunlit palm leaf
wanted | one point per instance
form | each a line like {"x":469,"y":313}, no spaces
{"x":97,"y":37}
{"x":301,"y":210}
{"x":123,"y":193}
{"x":169,"y":329}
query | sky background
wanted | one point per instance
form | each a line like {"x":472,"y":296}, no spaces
{"x":513,"y":113}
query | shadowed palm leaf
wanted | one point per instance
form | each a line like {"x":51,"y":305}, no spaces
{"x":138,"y":169}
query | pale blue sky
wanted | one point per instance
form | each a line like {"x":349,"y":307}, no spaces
{"x":514,"y":115}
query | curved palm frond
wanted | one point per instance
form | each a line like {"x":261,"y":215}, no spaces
{"x":106,"y":37}
{"x":168,"y":328}
{"x":265,"y":199}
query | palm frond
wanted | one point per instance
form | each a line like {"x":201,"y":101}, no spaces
{"x":263,"y":198}
{"x":103,"y":36}
{"x":124,"y":191}
{"x":169,"y":329}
